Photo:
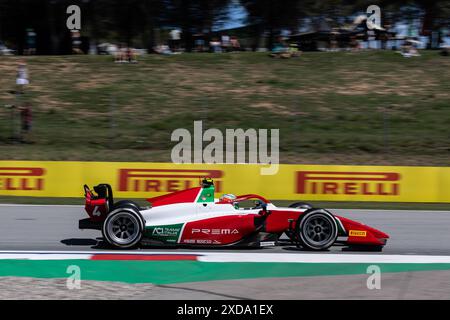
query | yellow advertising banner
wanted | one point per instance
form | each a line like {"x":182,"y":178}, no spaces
{"x":292,"y":182}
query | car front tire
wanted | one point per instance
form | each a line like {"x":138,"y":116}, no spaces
{"x":316,"y":230}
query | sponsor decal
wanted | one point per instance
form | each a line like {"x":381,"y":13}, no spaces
{"x":348,"y":183}
{"x":201,"y":241}
{"x":357,"y":233}
{"x":165,"y":233}
{"x":207,"y":195}
{"x":214,"y":231}
{"x":162,"y":180}
{"x":22,"y":179}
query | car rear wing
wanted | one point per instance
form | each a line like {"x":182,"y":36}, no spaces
{"x":98,"y":204}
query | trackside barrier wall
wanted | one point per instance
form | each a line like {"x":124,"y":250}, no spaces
{"x":292,"y":182}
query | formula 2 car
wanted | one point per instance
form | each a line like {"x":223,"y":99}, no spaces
{"x":195,"y":218}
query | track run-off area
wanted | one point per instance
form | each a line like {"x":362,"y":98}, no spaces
{"x":42,"y":241}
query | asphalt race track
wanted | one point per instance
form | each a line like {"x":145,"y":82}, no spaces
{"x":38,"y":227}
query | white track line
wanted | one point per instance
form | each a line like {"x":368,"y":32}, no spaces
{"x":237,"y":257}
{"x":322,"y":258}
{"x":37,"y":256}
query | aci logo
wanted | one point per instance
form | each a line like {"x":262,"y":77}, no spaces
{"x":348,"y":183}
{"x":166,"y":231}
{"x":24,"y":179}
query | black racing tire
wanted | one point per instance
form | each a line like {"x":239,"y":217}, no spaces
{"x":301,"y":205}
{"x":125,"y":204}
{"x":316,"y":230}
{"x":123,"y":228}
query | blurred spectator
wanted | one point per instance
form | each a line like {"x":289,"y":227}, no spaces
{"x":293,"y":51}
{"x":121,"y":54}
{"x":131,"y":55}
{"x":163,"y":49}
{"x":279,"y":48}
{"x":235,"y":45}
{"x":333,"y":40}
{"x":215,"y":46}
{"x":199,"y":43}
{"x":107,"y":48}
{"x":125,"y":54}
{"x":408,"y":49}
{"x":175,"y":36}
{"x":30,"y":42}
{"x":22,"y":77}
{"x":76,"y":42}
{"x":226,"y":45}
{"x":282,"y":50}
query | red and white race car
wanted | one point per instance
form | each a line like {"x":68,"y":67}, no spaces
{"x":195,"y":218}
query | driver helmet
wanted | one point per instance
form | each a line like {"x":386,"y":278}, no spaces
{"x":228,"y":197}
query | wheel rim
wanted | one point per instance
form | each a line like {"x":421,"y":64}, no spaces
{"x":318,"y":230}
{"x":123,"y":229}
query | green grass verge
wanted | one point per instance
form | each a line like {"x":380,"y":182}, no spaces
{"x":371,"y":107}
{"x":163,"y":272}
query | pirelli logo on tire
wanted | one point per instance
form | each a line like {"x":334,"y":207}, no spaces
{"x":22,"y":178}
{"x":348,"y":183}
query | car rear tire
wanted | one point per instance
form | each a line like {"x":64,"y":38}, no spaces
{"x":301,"y":205}
{"x":316,"y":230}
{"x":125,"y":204}
{"x":123,"y":228}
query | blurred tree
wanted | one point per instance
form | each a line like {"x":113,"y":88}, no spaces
{"x":273,"y":16}
{"x":134,"y":21}
{"x":436,"y":15}
{"x":197,"y":16}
